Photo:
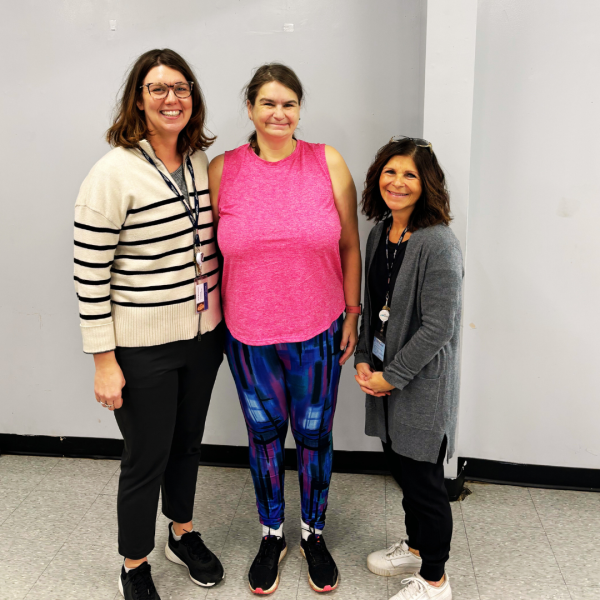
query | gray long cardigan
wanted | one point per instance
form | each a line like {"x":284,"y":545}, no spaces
{"x":422,"y":345}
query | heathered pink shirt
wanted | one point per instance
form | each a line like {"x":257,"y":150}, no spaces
{"x":279,"y":232}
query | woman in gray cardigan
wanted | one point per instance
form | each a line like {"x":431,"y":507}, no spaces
{"x":407,"y":358}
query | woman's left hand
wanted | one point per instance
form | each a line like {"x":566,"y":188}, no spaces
{"x":378,"y":384}
{"x":349,"y":336}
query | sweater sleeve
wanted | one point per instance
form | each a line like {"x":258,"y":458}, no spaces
{"x":95,"y":241}
{"x":440,"y":300}
{"x":100,"y":210}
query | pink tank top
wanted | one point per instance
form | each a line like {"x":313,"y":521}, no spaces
{"x":279,"y":232}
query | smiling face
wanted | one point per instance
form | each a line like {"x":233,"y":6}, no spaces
{"x":165,"y":117}
{"x":400,"y":184}
{"x":275,"y":112}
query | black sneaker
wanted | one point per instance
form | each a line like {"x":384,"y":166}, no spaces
{"x":138,"y":584}
{"x":323,"y":574}
{"x":203,"y":566}
{"x":264,"y":572}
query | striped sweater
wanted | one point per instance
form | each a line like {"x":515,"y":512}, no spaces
{"x":134,"y":254}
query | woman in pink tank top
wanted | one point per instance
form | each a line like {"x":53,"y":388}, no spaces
{"x":288,"y":232}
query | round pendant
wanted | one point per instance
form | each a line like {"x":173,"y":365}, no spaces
{"x":199,"y":257}
{"x":384,"y":315}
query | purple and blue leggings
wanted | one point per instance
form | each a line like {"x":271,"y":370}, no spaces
{"x":296,"y":382}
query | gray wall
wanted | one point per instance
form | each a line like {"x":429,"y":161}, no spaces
{"x":531,"y":319}
{"x":361,"y":62}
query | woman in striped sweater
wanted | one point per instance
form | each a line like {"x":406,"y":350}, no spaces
{"x":146,"y":275}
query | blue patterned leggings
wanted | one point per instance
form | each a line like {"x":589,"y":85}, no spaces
{"x":297,"y":382}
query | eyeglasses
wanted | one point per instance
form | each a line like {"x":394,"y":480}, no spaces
{"x":420,"y":142}
{"x":161,"y":90}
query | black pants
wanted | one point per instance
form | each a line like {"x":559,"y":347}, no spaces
{"x":165,"y":401}
{"x":428,"y":516}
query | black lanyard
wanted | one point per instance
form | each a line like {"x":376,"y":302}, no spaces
{"x":193,"y":214}
{"x":390,"y":267}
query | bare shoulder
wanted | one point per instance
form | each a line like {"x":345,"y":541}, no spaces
{"x":215,"y":169}
{"x":334,"y":158}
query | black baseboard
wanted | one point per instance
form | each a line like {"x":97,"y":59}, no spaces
{"x":373,"y":463}
{"x":369,"y":463}
{"x":74,"y":447}
{"x":542,"y":476}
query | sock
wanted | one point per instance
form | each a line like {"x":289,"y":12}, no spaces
{"x":307,"y":530}
{"x":270,"y":531}
{"x":127,"y":569}
{"x":177,"y":538}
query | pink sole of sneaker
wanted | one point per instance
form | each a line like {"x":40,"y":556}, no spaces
{"x":262,"y":592}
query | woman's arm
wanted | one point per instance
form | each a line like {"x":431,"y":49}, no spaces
{"x":440,"y":300}
{"x":344,"y":193}
{"x":215,"y":171}
{"x":96,"y":238}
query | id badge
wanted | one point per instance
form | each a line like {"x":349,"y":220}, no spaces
{"x":201,"y":285}
{"x":379,"y":345}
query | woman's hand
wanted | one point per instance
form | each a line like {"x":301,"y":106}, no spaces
{"x":109,"y":380}
{"x":372,"y":382}
{"x":349,"y":336}
{"x":363,"y":373}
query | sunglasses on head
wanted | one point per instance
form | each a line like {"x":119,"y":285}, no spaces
{"x":420,"y":142}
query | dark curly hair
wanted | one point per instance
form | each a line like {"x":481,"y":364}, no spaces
{"x":432,"y":208}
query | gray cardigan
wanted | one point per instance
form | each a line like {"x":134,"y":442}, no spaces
{"x":422,"y":345}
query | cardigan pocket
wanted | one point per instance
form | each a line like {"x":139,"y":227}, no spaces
{"x":417,"y":403}
{"x":435,"y":368}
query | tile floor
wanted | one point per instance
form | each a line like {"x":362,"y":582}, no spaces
{"x":58,"y":536}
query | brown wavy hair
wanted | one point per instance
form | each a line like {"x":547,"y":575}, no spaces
{"x":432,"y":208}
{"x":266,"y":74}
{"x":129,"y":122}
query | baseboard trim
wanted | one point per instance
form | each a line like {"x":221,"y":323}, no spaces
{"x":368,"y":463}
{"x":372,"y":463}
{"x":542,"y":476}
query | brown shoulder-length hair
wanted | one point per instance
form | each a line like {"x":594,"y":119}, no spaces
{"x":266,"y":74}
{"x":432,"y":208}
{"x":129,"y":122}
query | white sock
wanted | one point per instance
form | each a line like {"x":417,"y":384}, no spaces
{"x":177,"y":538}
{"x":127,"y":569}
{"x":270,"y":531}
{"x":306,"y":530}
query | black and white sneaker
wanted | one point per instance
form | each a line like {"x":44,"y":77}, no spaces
{"x":323,"y":573}
{"x":138,"y":584}
{"x":264,"y":572}
{"x":203,"y":566}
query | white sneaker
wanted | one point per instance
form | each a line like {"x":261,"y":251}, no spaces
{"x":395,"y":560}
{"x":416,"y":588}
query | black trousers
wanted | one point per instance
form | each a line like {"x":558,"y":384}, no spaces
{"x":428,"y":516}
{"x":165,"y":401}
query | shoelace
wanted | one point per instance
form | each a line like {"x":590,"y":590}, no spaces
{"x":142,"y":583}
{"x":396,"y":550}
{"x":318,"y":550}
{"x":267,"y":553}
{"x":193,"y":542}
{"x":413,"y":588}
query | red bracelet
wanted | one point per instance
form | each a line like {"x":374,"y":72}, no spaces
{"x":354,"y":310}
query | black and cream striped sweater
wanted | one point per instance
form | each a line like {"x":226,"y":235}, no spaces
{"x":134,"y":258}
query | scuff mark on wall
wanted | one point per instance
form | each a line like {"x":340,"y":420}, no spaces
{"x":568,"y":207}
